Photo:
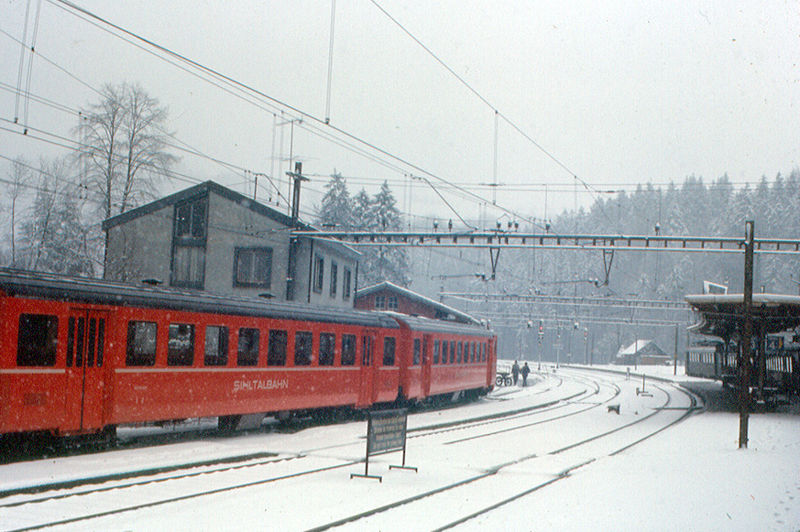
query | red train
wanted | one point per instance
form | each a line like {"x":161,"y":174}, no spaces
{"x":83,"y":356}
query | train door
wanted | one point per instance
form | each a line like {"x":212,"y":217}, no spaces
{"x":86,"y":353}
{"x":366,"y":393}
{"x":426,"y":365}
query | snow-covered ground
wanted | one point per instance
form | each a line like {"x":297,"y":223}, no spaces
{"x":691,"y":476}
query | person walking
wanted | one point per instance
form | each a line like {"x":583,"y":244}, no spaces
{"x":525,"y":370}
{"x":515,"y":372}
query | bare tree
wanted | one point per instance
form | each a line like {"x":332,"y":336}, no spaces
{"x":125,"y":147}
{"x":18,"y":180}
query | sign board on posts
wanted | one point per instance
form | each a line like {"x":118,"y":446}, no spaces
{"x":386,"y":432}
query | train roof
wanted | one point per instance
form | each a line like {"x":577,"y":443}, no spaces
{"x":723,"y":314}
{"x":419,"y":323}
{"x":96,"y":291}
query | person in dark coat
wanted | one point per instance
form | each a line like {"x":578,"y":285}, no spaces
{"x":525,"y":370}
{"x":515,"y":372}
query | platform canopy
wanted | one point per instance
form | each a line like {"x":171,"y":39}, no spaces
{"x":723,"y":314}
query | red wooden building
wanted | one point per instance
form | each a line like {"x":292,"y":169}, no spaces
{"x":389,"y":296}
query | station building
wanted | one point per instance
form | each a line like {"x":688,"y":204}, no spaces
{"x":211,"y":238}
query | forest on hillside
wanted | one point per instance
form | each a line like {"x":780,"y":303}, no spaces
{"x":691,"y":208}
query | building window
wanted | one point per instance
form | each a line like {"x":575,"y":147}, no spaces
{"x":391,"y":302}
{"x":189,"y":243}
{"x":346,"y":283}
{"x":252,"y":267}
{"x":380,"y":302}
{"x":319,"y":273}
{"x":334,"y":277}
{"x":188,"y":265}
{"x":190,"y":219}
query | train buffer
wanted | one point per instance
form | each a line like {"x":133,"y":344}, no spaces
{"x":613,"y":408}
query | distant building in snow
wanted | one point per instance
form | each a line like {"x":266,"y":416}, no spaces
{"x":389,"y":296}
{"x":209,"y":237}
{"x":642,"y":352}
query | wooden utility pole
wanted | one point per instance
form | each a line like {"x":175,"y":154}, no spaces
{"x":747,"y":335}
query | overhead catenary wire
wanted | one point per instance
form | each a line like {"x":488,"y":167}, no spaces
{"x":497,"y":113}
{"x":306,"y":116}
{"x":31,"y":57}
{"x":21,"y":60}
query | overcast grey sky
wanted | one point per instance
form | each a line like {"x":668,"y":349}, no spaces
{"x":619,"y":92}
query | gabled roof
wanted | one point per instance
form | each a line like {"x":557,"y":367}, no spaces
{"x":637,"y":346}
{"x":419,"y":298}
{"x":231,"y":195}
{"x":199,"y":190}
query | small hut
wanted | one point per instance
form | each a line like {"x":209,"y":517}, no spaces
{"x":642,"y":352}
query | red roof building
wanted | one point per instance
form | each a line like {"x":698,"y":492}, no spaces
{"x":391,"y":297}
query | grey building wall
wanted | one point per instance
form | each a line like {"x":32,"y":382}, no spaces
{"x":141,"y":248}
{"x":344,"y":258}
{"x":231,"y":225}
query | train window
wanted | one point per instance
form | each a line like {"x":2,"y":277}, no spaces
{"x":452,"y":351}
{"x":70,"y":341}
{"x":276,"y":353}
{"x":417,"y":348}
{"x":473,"y":352}
{"x":444,"y":352}
{"x":141,"y":349}
{"x":247,"y":354}
{"x":90,"y":350}
{"x":366,"y":354}
{"x":436,"y":351}
{"x":302,"y":348}
{"x":460,"y":348}
{"x":388,"y":351}
{"x":216,"y":353}
{"x":101,"y":334}
{"x":36,"y":342}
{"x":180,"y":346}
{"x":327,"y":348}
{"x":348,"y":349}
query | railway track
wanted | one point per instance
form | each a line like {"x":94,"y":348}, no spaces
{"x":317,"y":465}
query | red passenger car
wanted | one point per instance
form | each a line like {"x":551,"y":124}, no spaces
{"x":83,"y":355}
